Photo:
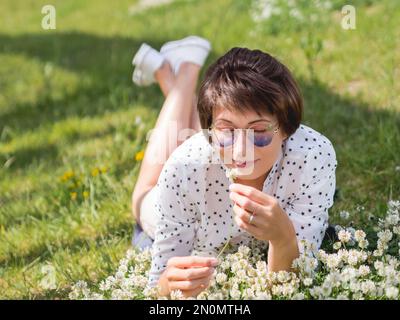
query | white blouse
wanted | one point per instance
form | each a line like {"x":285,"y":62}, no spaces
{"x":195,"y":211}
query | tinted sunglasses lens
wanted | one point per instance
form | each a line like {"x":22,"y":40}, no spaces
{"x":263,"y":139}
{"x":226,"y":138}
{"x":223,"y":138}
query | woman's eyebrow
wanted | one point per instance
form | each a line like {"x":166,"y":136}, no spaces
{"x":259,"y":120}
{"x":251,"y":122}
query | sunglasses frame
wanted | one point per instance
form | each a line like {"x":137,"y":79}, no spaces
{"x":269,"y":128}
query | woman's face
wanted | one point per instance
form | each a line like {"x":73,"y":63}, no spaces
{"x":252,"y":161}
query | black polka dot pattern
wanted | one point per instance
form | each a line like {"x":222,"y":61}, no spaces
{"x":195,"y":212}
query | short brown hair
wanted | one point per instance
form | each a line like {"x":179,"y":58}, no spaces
{"x":244,"y":79}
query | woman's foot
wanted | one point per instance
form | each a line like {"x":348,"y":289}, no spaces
{"x":165,"y":77}
{"x":146,"y":61}
{"x":192,"y":49}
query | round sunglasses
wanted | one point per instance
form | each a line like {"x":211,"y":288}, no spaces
{"x":224,"y":138}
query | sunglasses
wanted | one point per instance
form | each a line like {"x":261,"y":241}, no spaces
{"x":224,"y":138}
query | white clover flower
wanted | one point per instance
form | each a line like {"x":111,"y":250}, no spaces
{"x":307,"y":282}
{"x":333,"y":279}
{"x":338,"y":228}
{"x":360,"y":208}
{"x":344,"y":214}
{"x":337,"y":245}
{"x":235,"y":293}
{"x":326,"y":289}
{"x":220,"y":278}
{"x":392,"y":292}
{"x":177,"y":295}
{"x":392,"y":219}
{"x":216,"y":296}
{"x":332,"y":261}
{"x":359,"y":235}
{"x":393,"y":206}
{"x":203,"y":295}
{"x":368,"y":287}
{"x":363,"y":244}
{"x":385,"y":235}
{"x":352,"y":258}
{"x":355,"y":286}
{"x":241,"y":274}
{"x":244,"y":250}
{"x":263,"y":296}
{"x":232,"y":174}
{"x":344,"y":236}
{"x":364,"y":270}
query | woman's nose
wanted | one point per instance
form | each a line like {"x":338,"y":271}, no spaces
{"x":241,"y":147}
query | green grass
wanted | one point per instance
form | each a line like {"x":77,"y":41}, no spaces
{"x":67,"y":103}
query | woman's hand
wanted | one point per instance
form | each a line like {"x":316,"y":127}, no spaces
{"x":189,"y":274}
{"x":269,"y":222}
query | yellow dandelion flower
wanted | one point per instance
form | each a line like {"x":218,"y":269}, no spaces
{"x":86,"y":194}
{"x":95,"y":172}
{"x":139,"y":155}
{"x":103,"y":169}
{"x":73,"y":195}
{"x":67,"y":175}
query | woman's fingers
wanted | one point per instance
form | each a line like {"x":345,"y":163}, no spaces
{"x":254,"y":230}
{"x":190,"y":274}
{"x":195,"y":292}
{"x":189,"y":285}
{"x":250,"y":192}
{"x":177,"y":274}
{"x":192,"y":261}
{"x":241,"y":213}
{"x":246,"y":203}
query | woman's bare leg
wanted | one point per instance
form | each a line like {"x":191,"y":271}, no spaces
{"x":195,"y":120}
{"x":176,"y":114}
{"x":166,"y":80}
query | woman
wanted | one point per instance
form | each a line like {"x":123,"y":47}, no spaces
{"x":285,"y":171}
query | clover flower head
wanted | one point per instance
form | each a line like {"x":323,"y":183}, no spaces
{"x":232,"y":174}
{"x":344,"y":236}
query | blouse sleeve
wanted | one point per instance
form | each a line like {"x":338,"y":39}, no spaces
{"x":309,"y":209}
{"x":175,"y":231}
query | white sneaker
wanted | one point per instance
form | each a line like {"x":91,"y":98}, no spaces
{"x":147,"y":60}
{"x":190,"y":49}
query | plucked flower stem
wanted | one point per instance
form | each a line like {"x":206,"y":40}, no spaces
{"x":232,"y":175}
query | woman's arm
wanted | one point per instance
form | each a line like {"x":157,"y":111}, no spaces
{"x":282,"y":253}
{"x":173,"y":267}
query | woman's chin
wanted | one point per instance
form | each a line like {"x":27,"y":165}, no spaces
{"x":247,"y":173}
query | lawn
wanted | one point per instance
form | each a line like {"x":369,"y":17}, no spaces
{"x":72,"y":124}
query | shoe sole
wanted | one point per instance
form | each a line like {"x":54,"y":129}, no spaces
{"x":140,"y":54}
{"x":137,"y":61}
{"x":137,"y":78}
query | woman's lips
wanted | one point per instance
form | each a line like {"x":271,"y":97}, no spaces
{"x":243,"y":164}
